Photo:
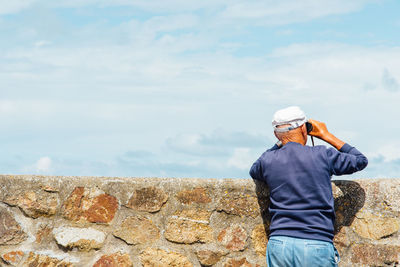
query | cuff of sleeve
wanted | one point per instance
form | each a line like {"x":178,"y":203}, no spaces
{"x":346,"y":148}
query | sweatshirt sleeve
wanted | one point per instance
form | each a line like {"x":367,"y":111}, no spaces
{"x":256,"y":170}
{"x":346,"y":161}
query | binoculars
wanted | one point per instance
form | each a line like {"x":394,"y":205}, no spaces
{"x":309,"y":127}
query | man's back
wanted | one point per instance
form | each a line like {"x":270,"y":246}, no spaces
{"x":298,"y":178}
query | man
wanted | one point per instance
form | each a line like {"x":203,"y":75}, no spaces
{"x":299,"y":181}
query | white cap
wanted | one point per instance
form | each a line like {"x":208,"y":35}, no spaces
{"x":292,"y":115}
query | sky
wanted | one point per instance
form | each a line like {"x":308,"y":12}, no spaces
{"x":188,"y":88}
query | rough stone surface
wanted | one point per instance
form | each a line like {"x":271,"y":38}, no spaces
{"x":114,"y":260}
{"x":336,"y":191}
{"x":260,"y":240}
{"x":38,"y":260}
{"x":35,"y":204}
{"x":185,"y":231}
{"x":13,"y":257}
{"x":50,"y":189}
{"x":199,"y":215}
{"x":375,"y":255}
{"x":371,"y":226}
{"x":209,"y":257}
{"x":238,"y":263}
{"x":197,"y":195}
{"x":388,"y":196}
{"x":347,"y":203}
{"x":73,"y":206}
{"x":84,"y":239}
{"x":233,"y":237}
{"x":152,"y":257}
{"x":239,"y":204}
{"x":149,"y":199}
{"x":342,"y":240}
{"x":137,"y":230}
{"x":43,"y":234}
{"x":10,"y":231}
{"x":366,"y":232}
{"x":91,"y":205}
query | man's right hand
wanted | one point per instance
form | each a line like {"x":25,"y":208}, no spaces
{"x":321,"y":131}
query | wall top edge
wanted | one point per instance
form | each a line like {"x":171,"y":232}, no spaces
{"x":159,"y":179}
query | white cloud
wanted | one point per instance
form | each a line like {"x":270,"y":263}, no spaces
{"x":241,"y":159}
{"x":14,"y":110}
{"x":389,"y":82}
{"x":6,"y":107}
{"x":390,"y":151}
{"x":217,"y":143}
{"x":288,"y":11}
{"x":221,"y":11}
{"x":187,"y":143}
{"x":133,"y":85}
{"x":153,"y":6}
{"x":43,"y":165}
{"x":41,"y":43}
{"x":14,"y":6}
{"x":171,"y":23}
{"x":122,"y":85}
{"x":335,"y":69}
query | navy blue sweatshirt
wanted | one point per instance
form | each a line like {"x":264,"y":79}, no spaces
{"x":299,"y":182}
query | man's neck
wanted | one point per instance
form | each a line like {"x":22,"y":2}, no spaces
{"x":294,"y":140}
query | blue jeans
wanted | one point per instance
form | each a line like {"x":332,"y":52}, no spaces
{"x":285,"y":251}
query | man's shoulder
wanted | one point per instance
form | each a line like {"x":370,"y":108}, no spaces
{"x":310,"y":149}
{"x":318,"y":148}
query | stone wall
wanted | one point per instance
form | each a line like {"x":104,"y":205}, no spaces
{"x":93,"y":221}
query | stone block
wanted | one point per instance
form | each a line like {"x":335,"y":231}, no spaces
{"x":233,"y":237}
{"x":198,"y":215}
{"x":114,"y":260}
{"x":34,"y":204}
{"x":10,"y":231}
{"x":209,"y":257}
{"x":153,"y":257}
{"x":341,"y":240}
{"x":149,"y":199}
{"x":84,"y":239}
{"x":197,"y":195}
{"x":350,"y":197}
{"x":91,"y":205}
{"x":336,"y":191}
{"x":185,"y":231}
{"x":137,"y":230}
{"x":238,"y":263}
{"x":43,"y":234}
{"x":239,"y":204}
{"x":13,"y":258}
{"x":259,"y":239}
{"x":39,"y":260}
{"x":368,"y":225}
{"x":375,"y":255}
